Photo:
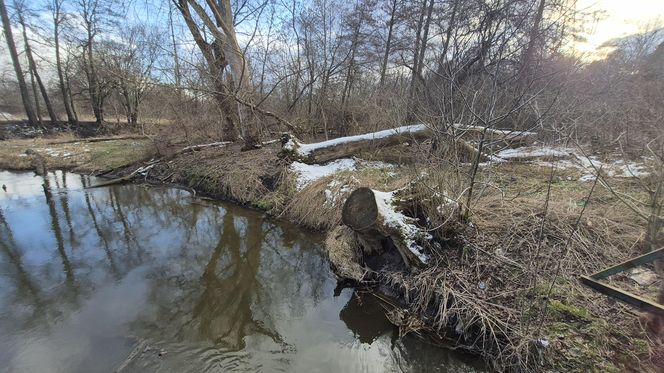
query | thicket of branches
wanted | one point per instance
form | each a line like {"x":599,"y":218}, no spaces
{"x":324,"y":68}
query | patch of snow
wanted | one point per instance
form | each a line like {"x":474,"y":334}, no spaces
{"x":306,"y":149}
{"x":533,"y":152}
{"x":6,"y":116}
{"x":376,"y":164}
{"x":22,"y":155}
{"x":401,"y":222}
{"x":569,"y":158}
{"x":330,"y":198}
{"x":306,"y":173}
{"x":628,"y":170}
{"x":507,"y":133}
{"x":336,"y":191}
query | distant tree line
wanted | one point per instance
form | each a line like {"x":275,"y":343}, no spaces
{"x":324,"y":68}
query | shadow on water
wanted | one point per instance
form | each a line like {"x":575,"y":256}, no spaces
{"x":137,"y":279}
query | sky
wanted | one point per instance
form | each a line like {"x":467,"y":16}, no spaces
{"x":619,"y":18}
{"x":616,"y":18}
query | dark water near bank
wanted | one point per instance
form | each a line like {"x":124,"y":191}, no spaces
{"x":140,"y":279}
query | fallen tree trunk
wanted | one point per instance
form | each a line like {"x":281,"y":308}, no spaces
{"x":492,"y":134}
{"x":341,"y":147}
{"x":376,"y":216}
{"x":344,"y":146}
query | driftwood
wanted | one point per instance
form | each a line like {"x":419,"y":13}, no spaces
{"x":141,"y":170}
{"x":324,"y":151}
{"x":376,"y":216}
{"x":194,"y":148}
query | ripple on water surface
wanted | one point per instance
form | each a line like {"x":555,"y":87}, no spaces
{"x":132,"y":278}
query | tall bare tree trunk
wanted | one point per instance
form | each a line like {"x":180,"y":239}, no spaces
{"x":224,"y":51}
{"x":89,"y":13}
{"x":418,"y":55}
{"x":93,"y":84}
{"x":176,"y":58}
{"x":27,"y":105}
{"x":33,"y":67}
{"x":214,"y":56}
{"x":35,"y":95}
{"x":388,"y":43}
{"x":534,"y":35}
{"x":66,"y":97}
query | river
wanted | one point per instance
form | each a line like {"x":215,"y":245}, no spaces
{"x":136,"y":278}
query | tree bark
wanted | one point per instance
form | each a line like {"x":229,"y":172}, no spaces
{"x":388,"y":43}
{"x":33,"y":67}
{"x":27,"y":105}
{"x":66,"y":97}
{"x":224,"y":51}
{"x":345,"y":146}
{"x":533,"y":37}
{"x":367,"y":214}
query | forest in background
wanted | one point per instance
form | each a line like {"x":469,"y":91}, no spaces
{"x":330,"y":68}
{"x":209,"y":86}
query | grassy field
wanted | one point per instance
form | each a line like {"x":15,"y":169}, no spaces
{"x":65,"y":152}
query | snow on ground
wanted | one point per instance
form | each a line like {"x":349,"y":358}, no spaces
{"x":306,"y":149}
{"x":533,"y":152}
{"x":6,"y":116}
{"x":335,"y":190}
{"x":404,"y":224}
{"x":571,"y":158}
{"x":306,"y":174}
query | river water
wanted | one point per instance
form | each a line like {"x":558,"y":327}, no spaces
{"x":132,"y":278}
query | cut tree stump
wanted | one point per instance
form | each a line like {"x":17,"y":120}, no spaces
{"x":375,"y":216}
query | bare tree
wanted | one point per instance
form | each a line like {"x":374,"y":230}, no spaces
{"x":20,"y":12}
{"x":128,"y":64}
{"x":6,"y":24}
{"x":58,"y":19}
{"x":388,"y":43}
{"x":223,"y":51}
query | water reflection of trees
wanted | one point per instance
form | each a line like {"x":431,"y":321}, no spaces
{"x":57,"y":231}
{"x":246,"y":280}
{"x":216,"y":274}
{"x":26,"y":290}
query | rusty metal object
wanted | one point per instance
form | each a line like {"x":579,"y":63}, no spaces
{"x":594,"y":282}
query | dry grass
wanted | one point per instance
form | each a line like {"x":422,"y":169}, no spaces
{"x":510,"y":278}
{"x":318,"y":205}
{"x":245,"y":177}
{"x":61,"y":153}
{"x":500,"y":282}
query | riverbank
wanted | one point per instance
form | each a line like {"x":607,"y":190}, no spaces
{"x":498,"y":267}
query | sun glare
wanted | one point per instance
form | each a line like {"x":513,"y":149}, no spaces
{"x":615,"y":19}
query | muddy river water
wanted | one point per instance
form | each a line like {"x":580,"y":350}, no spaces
{"x":133,"y":278}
